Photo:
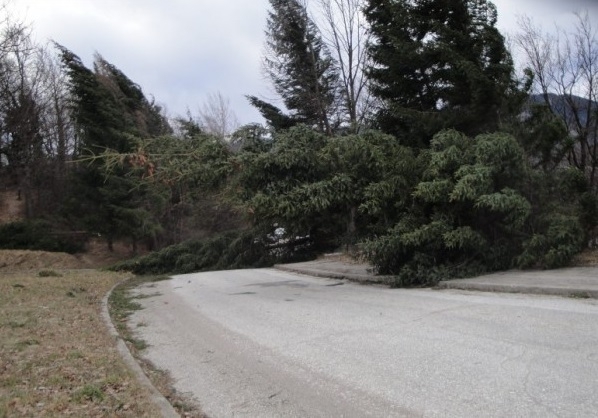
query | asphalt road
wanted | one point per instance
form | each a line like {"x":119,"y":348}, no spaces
{"x":266,"y":343}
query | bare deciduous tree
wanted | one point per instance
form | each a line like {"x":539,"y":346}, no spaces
{"x":57,"y":128}
{"x":216,"y":116}
{"x":565,"y":67}
{"x":20,"y":110}
{"x":345,"y":31}
{"x":36,"y":135}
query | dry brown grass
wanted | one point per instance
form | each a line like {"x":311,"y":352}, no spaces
{"x":18,"y":260}
{"x":57,"y":357}
{"x":588,"y":258}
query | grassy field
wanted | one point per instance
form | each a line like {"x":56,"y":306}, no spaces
{"x":57,"y":357}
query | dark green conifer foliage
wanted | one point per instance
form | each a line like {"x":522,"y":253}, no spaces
{"x":142,"y":116}
{"x":300,"y":68}
{"x":333,"y":190}
{"x":99,"y":120}
{"x":479,"y":207}
{"x":275,"y":117}
{"x":437,"y":64}
{"x":111,"y":114}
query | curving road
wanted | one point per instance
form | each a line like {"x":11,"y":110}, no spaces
{"x":266,"y":343}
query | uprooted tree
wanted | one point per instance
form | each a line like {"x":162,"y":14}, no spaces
{"x":479,"y":207}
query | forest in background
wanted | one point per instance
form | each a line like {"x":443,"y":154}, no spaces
{"x":402,"y":132}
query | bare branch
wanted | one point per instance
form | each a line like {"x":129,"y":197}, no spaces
{"x":565,"y":66}
{"x":345,"y":31}
{"x":217,"y":117}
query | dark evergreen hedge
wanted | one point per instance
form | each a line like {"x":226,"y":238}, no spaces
{"x":37,"y":235}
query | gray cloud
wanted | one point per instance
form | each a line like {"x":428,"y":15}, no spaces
{"x":547,"y":13}
{"x":182,"y":50}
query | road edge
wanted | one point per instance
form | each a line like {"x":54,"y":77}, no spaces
{"x":328,"y":274}
{"x":565,"y":292}
{"x":166,"y":409}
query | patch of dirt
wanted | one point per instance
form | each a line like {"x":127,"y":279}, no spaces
{"x":588,"y":258}
{"x":98,"y":255}
{"x":11,"y":208}
{"x":11,"y":260}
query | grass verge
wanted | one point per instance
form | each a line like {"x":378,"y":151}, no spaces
{"x":56,"y":356}
{"x":121,"y":305}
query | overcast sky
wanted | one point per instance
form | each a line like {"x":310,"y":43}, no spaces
{"x":180,"y":51}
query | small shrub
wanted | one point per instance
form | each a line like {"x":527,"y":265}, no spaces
{"x":560,"y":241}
{"x":89,"y":393}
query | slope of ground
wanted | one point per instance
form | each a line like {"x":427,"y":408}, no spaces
{"x":96,"y":255}
{"x":18,"y":260}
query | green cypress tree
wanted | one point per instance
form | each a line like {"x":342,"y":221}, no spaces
{"x":142,"y":116}
{"x":100,"y":123}
{"x":106,"y":108}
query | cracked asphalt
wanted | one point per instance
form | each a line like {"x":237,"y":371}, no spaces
{"x":269,"y":343}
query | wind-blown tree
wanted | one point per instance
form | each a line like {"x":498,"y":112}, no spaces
{"x":99,"y":119}
{"x":266,"y":175}
{"x":300,"y":68}
{"x":275,"y":117}
{"x":143,"y":118}
{"x":332,"y":190}
{"x":437,"y":64}
{"x":110,"y":114}
{"x":193,"y":170}
{"x":363,"y":169}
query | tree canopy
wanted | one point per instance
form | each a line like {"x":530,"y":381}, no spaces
{"x":437,"y":64}
{"x":464,"y":173}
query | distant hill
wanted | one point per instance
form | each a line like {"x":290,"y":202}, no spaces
{"x":563,"y":108}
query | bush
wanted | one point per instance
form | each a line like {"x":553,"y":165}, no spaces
{"x":560,"y":241}
{"x":36,"y":235}
{"x":481,"y":207}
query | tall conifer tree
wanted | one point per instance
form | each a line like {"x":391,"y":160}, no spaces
{"x":110,"y":112}
{"x":300,"y":68}
{"x":437,"y":64}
